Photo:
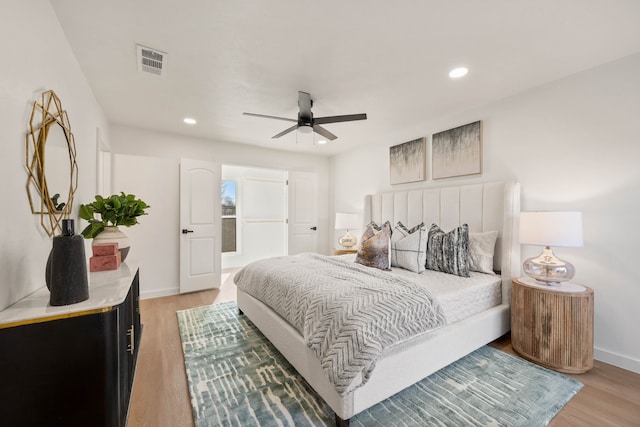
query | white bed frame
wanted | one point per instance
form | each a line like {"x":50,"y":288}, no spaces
{"x":485,"y":207}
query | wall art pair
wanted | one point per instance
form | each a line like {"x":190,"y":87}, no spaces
{"x":454,"y":152}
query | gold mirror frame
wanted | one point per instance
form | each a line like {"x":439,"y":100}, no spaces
{"x":43,"y":116}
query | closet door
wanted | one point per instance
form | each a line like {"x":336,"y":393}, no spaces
{"x":303,"y":212}
{"x":264,"y":217}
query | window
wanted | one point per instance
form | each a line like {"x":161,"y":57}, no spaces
{"x":229,"y":218}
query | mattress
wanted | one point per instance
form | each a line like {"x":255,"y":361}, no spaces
{"x":459,"y":297}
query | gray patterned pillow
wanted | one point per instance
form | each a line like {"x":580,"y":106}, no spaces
{"x":481,"y":249}
{"x":449,"y":252}
{"x":409,"y":247}
{"x":375,"y":246}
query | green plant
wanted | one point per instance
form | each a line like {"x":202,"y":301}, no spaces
{"x":114,"y":210}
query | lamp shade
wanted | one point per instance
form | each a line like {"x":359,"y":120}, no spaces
{"x":554,"y":228}
{"x":347,"y":221}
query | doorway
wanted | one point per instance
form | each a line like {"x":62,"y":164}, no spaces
{"x":254,"y":203}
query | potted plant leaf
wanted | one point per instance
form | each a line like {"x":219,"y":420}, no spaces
{"x":106,"y":214}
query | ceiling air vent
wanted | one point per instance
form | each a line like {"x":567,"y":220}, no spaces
{"x":151,"y":60}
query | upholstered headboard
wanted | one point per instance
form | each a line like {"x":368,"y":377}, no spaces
{"x":484,"y":207}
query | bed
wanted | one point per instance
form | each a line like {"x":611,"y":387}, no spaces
{"x":492,"y":206}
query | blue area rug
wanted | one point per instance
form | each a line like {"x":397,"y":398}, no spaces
{"x":237,"y":378}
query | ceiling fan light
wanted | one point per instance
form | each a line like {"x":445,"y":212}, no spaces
{"x":322,"y":142}
{"x":189,"y":120}
{"x":306,"y":129}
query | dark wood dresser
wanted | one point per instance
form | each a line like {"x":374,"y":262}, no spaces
{"x":71,"y":365}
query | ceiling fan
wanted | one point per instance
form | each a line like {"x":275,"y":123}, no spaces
{"x":307,"y":123}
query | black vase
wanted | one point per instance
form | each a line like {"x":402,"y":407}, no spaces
{"x":66,"y":272}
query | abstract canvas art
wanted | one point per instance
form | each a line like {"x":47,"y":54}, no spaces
{"x":407,"y":162}
{"x":457,"y":151}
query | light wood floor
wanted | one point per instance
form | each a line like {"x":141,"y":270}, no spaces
{"x":610,"y":396}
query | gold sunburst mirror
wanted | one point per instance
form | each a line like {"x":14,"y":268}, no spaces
{"x":51,"y":162}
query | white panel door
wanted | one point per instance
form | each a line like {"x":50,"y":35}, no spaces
{"x":200,"y":225}
{"x":303,"y":212}
{"x":264,"y":216}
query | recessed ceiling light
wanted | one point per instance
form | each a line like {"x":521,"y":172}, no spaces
{"x":322,"y":142}
{"x":456,"y":73}
{"x":190,"y":121}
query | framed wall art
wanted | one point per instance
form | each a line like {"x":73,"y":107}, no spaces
{"x":457,"y":151}
{"x":407,"y":162}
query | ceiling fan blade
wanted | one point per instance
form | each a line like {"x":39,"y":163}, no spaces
{"x":322,"y":131}
{"x":270,"y":117}
{"x":337,"y":119}
{"x":304,"y":105}
{"x":286,"y":131}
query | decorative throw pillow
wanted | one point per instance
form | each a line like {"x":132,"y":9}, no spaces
{"x":400,"y":232}
{"x":481,"y":249}
{"x":449,"y":252}
{"x":375,"y":246}
{"x":409,"y":247}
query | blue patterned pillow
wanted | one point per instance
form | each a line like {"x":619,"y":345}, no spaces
{"x":375,"y":246}
{"x":449,"y":252}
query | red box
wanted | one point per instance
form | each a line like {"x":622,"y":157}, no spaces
{"x":102,"y":249}
{"x":104,"y":262}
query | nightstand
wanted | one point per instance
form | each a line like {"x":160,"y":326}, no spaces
{"x":553,"y":325}
{"x":342,"y":251}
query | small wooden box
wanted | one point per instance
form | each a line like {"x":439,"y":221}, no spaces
{"x":105,"y":262}
{"x":102,"y":249}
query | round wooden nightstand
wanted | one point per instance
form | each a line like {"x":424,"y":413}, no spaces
{"x":340,"y":251}
{"x":553,"y":325}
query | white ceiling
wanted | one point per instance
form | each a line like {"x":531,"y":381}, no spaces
{"x":388,"y":59}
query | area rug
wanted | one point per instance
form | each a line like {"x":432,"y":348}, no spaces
{"x":237,"y":378}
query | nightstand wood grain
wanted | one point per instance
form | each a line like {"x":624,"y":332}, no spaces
{"x":551,"y":327}
{"x":339,"y":251}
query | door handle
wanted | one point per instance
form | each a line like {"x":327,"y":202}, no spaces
{"x":314,"y":228}
{"x":185,"y":231}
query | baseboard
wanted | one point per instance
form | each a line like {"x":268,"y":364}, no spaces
{"x":618,"y":360}
{"x":159,"y":293}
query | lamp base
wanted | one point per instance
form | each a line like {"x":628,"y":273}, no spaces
{"x":548,"y":269}
{"x":348,"y":241}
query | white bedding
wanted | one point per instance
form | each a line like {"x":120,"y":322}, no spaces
{"x":459,"y":297}
{"x":485,"y":207}
{"x":348,"y":314}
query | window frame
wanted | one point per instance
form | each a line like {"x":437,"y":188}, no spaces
{"x":236,"y":216}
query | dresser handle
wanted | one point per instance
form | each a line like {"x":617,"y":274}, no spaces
{"x":131,"y":345}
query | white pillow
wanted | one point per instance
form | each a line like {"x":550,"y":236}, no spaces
{"x":481,"y":249}
{"x":409,"y":247}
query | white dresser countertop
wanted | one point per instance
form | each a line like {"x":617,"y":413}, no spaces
{"x":106,"y":289}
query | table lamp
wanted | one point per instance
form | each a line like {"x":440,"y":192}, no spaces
{"x":550,"y":229}
{"x":347,"y":221}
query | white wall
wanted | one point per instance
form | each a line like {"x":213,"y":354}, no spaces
{"x":155,"y":241}
{"x":35,"y":58}
{"x":573,"y":145}
{"x":151,"y":176}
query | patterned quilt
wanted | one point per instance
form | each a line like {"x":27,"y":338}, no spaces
{"x":347,"y":313}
